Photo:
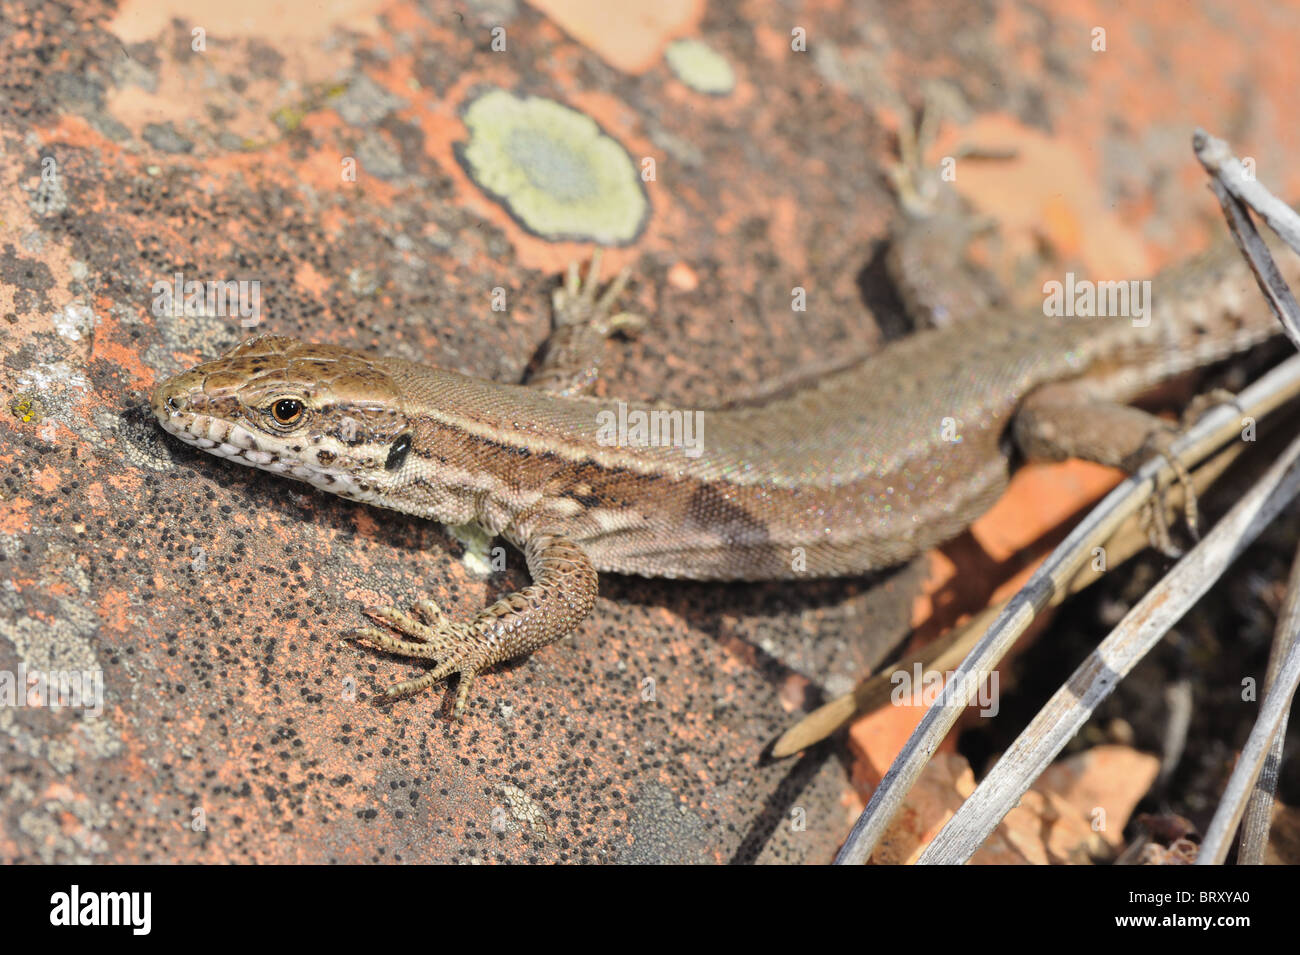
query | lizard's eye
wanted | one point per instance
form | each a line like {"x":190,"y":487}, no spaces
{"x":287,"y":411}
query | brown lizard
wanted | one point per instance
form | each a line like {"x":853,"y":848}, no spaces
{"x":864,"y":469}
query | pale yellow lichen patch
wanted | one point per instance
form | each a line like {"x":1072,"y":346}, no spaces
{"x":701,"y":67}
{"x":553,"y":169}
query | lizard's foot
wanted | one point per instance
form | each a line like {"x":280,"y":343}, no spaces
{"x":1203,"y":403}
{"x":561,"y":595}
{"x":928,"y":258}
{"x":1153,"y":519}
{"x":579,"y":301}
{"x":569,"y":362}
{"x":458,"y":647}
{"x":1159,"y":442}
{"x":1065,"y":420}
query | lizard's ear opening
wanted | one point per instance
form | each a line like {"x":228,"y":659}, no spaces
{"x":398,"y":452}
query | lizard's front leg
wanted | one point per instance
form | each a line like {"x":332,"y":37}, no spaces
{"x":564,"y":582}
{"x":560,"y":597}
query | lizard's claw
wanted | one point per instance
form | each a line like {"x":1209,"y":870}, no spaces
{"x":456,"y":646}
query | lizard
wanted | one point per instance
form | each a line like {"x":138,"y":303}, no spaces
{"x":861,"y":470}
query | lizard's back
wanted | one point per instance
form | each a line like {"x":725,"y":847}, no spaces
{"x":862,"y":470}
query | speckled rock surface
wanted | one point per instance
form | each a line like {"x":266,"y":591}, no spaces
{"x":316,"y":157}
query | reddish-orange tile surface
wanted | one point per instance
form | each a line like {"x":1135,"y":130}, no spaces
{"x":215,"y":599}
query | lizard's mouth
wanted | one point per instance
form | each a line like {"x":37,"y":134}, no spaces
{"x":225,"y":439}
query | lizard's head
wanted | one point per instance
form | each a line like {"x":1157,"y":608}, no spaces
{"x":319,"y":413}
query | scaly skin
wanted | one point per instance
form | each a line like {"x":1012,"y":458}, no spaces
{"x":858,"y":472}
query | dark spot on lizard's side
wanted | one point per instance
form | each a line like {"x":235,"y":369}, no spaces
{"x":398,"y":452}
{"x":324,"y":457}
{"x":709,"y":511}
{"x":587,"y":500}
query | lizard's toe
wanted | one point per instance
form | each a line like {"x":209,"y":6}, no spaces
{"x":439,"y":633}
{"x":428,"y":611}
{"x":386,"y":641}
{"x":467,"y":665}
{"x":402,"y":622}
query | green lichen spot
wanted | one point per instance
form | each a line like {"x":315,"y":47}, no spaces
{"x":553,"y":169}
{"x":701,"y":67}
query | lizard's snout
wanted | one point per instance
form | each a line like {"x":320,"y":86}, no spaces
{"x":175,"y":396}
{"x":169,"y":397}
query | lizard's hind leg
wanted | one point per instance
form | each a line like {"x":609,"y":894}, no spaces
{"x":1062,"y":421}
